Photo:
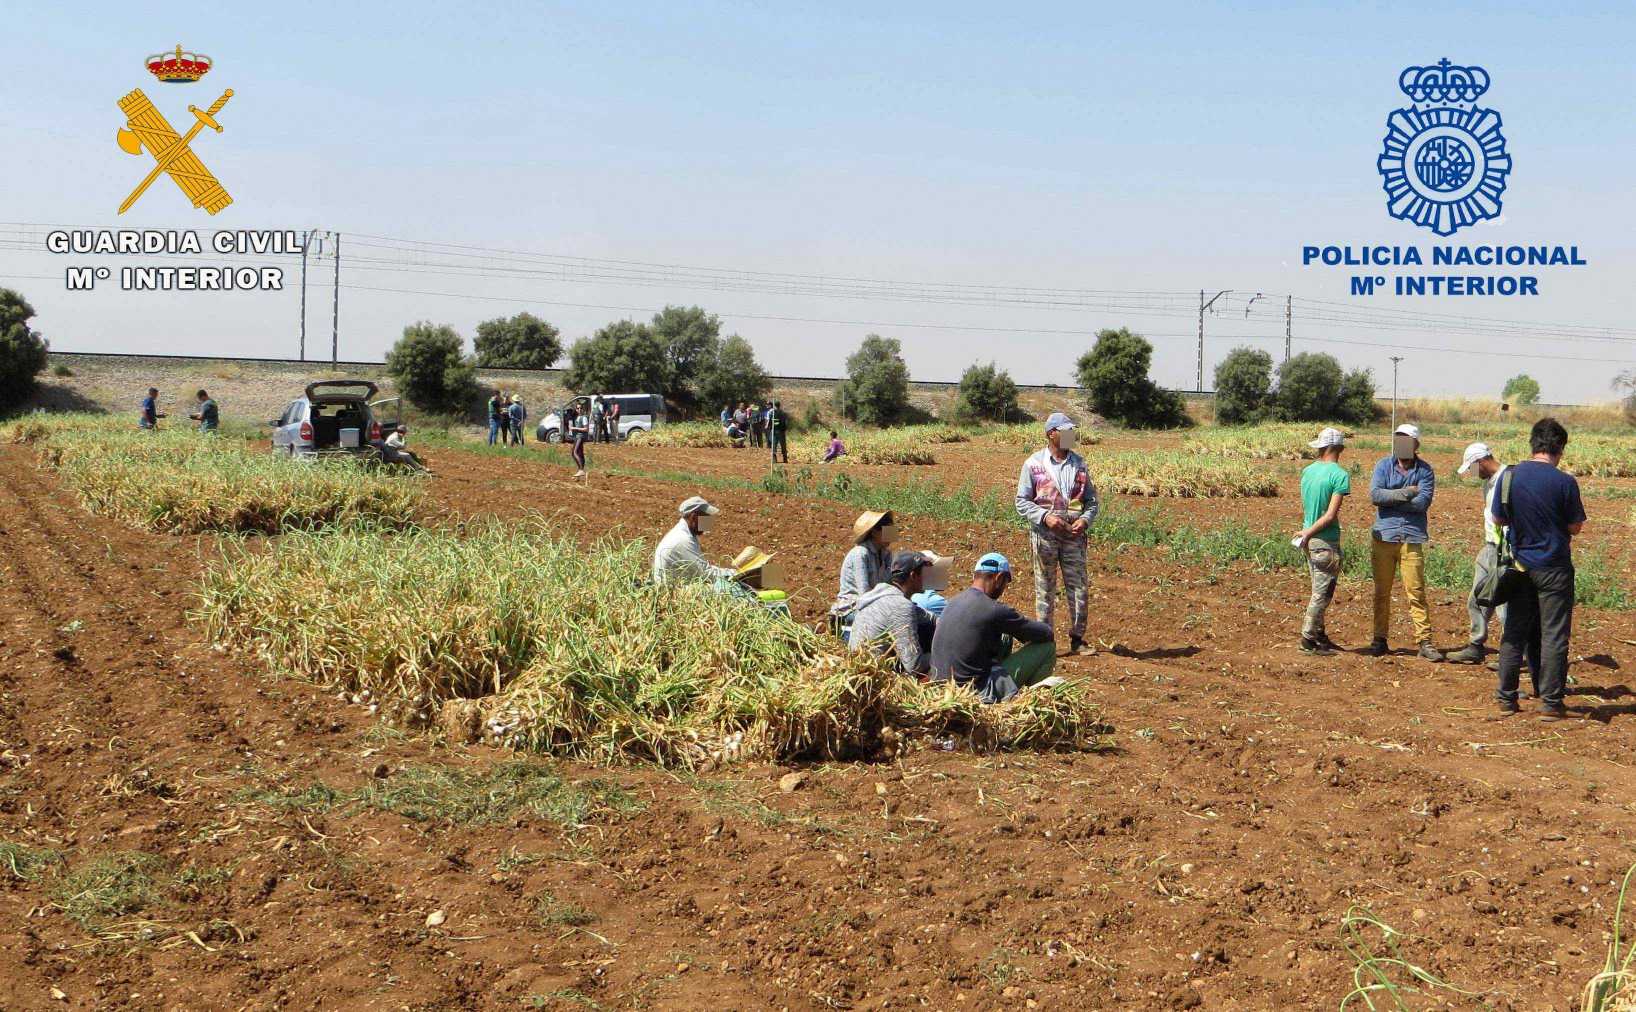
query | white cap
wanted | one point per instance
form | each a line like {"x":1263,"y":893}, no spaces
{"x":1328,"y":437}
{"x":697,"y":504}
{"x":1474,"y":453}
{"x":1409,"y":429}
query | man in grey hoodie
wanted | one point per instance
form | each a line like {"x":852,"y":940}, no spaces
{"x":886,"y":620}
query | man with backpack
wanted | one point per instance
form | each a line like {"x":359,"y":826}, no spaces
{"x":1540,"y":507}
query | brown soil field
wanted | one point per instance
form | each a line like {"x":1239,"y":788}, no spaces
{"x":1251,"y":796}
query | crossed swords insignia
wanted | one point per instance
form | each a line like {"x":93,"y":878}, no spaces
{"x":146,"y":127}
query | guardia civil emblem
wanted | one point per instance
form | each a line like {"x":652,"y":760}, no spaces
{"x":1444,"y":163}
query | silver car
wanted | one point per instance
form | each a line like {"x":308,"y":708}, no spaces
{"x":335,"y":416}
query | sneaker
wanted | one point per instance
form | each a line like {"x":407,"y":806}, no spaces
{"x":1328,"y":644}
{"x":1430,"y":653}
{"x":1377,"y":648}
{"x":1049,"y":683}
{"x":1493,"y":665}
{"x":1507,"y":707}
{"x":1080,"y":648}
{"x":1551,"y":714}
{"x":1471,"y":653}
{"x":1312,"y":646}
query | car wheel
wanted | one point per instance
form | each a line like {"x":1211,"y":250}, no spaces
{"x":553,"y":436}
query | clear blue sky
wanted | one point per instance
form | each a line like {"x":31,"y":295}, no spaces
{"x":1140,"y":146}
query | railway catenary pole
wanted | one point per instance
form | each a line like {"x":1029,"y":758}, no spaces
{"x":1395,"y":360}
{"x":305,"y":243}
{"x":335,"y":312}
{"x":1203,"y":305}
{"x":1289,"y":305}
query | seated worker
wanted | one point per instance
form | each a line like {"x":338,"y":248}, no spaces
{"x":864,"y":566}
{"x":929,"y":603}
{"x":757,"y":575}
{"x":396,"y":452}
{"x":836,"y":447}
{"x":679,"y":556}
{"x":735,"y":435}
{"x":887,"y":621}
{"x":968,"y":646}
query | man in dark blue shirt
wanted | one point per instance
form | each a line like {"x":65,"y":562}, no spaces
{"x":1541,"y":514}
{"x":150,"y":410}
{"x":969,"y":648}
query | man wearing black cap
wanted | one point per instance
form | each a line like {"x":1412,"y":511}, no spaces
{"x":887,"y":619}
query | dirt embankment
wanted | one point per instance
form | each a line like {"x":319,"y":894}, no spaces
{"x":1255,"y":794}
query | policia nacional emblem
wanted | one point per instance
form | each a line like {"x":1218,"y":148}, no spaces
{"x":1445,"y":163}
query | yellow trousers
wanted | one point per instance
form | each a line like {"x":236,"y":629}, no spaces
{"x":1388,"y":558}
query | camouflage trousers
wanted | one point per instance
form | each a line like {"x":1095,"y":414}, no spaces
{"x":1065,"y":552}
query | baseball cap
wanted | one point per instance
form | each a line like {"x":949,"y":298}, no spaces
{"x":1408,"y":429}
{"x":1474,"y":453}
{"x":1328,"y":437}
{"x":697,"y":504}
{"x":993,"y":562}
{"x":1058,"y":420}
{"x":907,"y":564}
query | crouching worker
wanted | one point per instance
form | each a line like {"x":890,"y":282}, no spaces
{"x":970,"y":646}
{"x":679,"y":556}
{"x":889,"y":622}
{"x":397,"y":451}
{"x":760,"y":577}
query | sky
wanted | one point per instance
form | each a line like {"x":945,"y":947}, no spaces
{"x":1153,"y":147}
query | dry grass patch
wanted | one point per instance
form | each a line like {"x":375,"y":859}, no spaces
{"x":1181,"y":475}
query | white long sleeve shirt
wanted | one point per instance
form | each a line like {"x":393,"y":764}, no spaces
{"x":679,"y":557}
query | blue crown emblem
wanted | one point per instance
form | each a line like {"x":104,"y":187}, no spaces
{"x":1444,"y":163}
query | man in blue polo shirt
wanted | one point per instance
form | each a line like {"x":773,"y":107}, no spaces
{"x":1542,"y":516}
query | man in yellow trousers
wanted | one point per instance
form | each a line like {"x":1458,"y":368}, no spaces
{"x":1402,"y":489}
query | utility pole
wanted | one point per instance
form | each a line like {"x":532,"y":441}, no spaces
{"x":335,"y":313}
{"x":1203,"y":305}
{"x":1289,"y":305}
{"x":1395,"y":360}
{"x":305,"y":243}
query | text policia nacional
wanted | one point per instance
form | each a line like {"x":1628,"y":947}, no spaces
{"x":167,"y":242}
{"x":1416,"y":283}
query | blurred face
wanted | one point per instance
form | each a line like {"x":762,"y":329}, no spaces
{"x":885,"y":534}
{"x":703,"y":523}
{"x":1064,"y":439}
{"x":935,"y":578}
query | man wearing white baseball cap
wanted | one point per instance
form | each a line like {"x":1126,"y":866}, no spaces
{"x":1402,"y":489}
{"x":1479,"y":457}
{"x":1056,"y":497}
{"x":679,"y":556}
{"x":1324,"y":484}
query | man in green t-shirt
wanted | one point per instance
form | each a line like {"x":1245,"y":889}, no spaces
{"x":1324,"y":483}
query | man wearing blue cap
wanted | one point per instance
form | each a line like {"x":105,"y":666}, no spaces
{"x":969,"y":646}
{"x":1055,"y":495}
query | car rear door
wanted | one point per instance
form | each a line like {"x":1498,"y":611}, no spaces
{"x":388,"y":411}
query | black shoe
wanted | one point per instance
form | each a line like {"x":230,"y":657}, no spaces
{"x":1507,"y":707}
{"x":1317,"y":647}
{"x":1377,"y":648}
{"x":1550,"y":714}
{"x":1329,"y":644}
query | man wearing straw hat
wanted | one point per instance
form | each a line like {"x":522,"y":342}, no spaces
{"x":865,"y":564}
{"x":679,"y":556}
{"x":889,"y":621}
{"x":1055,"y":495}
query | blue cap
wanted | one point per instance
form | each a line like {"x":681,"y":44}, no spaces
{"x":1058,"y":420}
{"x":993,"y":562}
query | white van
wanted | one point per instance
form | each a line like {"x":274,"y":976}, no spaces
{"x":637,"y":413}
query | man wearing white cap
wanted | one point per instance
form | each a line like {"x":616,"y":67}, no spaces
{"x":1324,"y":484}
{"x":1479,"y":456}
{"x":1402,"y":489}
{"x":1055,"y":495}
{"x":679,"y":556}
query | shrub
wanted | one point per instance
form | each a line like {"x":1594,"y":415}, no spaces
{"x":733,"y":375}
{"x":876,"y":390}
{"x":61,"y":370}
{"x":1312,"y":388}
{"x":431,"y":369}
{"x":1114,"y":375}
{"x":523,"y":341}
{"x":1521,"y":389}
{"x":1243,"y":386}
{"x":22,"y":351}
{"x":691,"y":339}
{"x":986,"y":394}
{"x":623,"y":355}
